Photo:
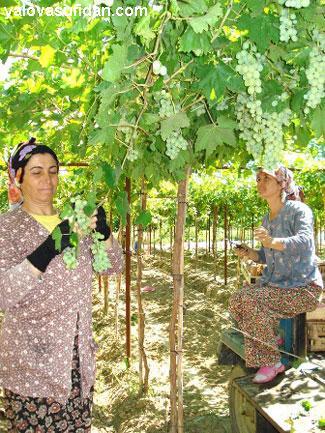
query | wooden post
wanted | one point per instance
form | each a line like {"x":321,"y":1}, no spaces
{"x":196,"y":239}
{"x":106,"y":282}
{"x":160,"y":235}
{"x":214,"y":231}
{"x":225,"y":245}
{"x":209,"y":233}
{"x":128,"y":274}
{"x":154,"y":241}
{"x":189,"y":239}
{"x":116,"y":308}
{"x":206,"y":237}
{"x":143,"y":363}
{"x":171,"y":242}
{"x":176,"y":323}
{"x":99,"y":283}
{"x":150,"y":250}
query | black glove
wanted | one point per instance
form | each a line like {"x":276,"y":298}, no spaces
{"x":101,"y":225}
{"x":41,"y":257}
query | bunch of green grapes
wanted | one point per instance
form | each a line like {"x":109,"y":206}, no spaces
{"x":101,"y":261}
{"x":166,"y":108}
{"x":250,"y":66}
{"x":262,"y":131}
{"x":315,"y":74}
{"x":174,"y":143}
{"x":288,"y":21}
{"x":298,"y":4}
{"x":80,"y":222}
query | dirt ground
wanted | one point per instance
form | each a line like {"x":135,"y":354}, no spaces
{"x":118,"y":408}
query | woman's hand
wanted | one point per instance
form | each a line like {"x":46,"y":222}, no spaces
{"x":242,"y":251}
{"x":262,"y":235}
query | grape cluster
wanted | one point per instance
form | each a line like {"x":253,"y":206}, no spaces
{"x":166,"y":108}
{"x":70,"y":258}
{"x":101,"y":261}
{"x":287,"y":26}
{"x":79,"y":217}
{"x":316,"y":78}
{"x":81,"y":224}
{"x":158,"y":68}
{"x":262,"y":131}
{"x":132,"y":155}
{"x":298,"y":4}
{"x":174,"y":143}
{"x":249,"y":66}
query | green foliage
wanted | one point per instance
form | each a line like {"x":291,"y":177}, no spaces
{"x":86,"y":86}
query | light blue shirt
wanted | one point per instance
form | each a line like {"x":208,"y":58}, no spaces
{"x":296,"y":265}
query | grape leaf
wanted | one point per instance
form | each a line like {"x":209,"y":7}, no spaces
{"x":109,"y":175}
{"x":118,"y":60}
{"x":143,"y":29}
{"x":200,"y":24}
{"x":262,"y":29}
{"x":187,"y":9}
{"x":122,"y":205}
{"x":144,"y":218}
{"x":179,"y":120}
{"x":209,"y":137}
{"x":57,"y":237}
{"x":317,"y":121}
{"x":198,"y":43}
{"x":47,"y":56}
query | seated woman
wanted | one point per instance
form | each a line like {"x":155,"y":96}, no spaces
{"x":291,"y":282}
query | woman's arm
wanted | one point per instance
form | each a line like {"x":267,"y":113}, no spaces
{"x":257,"y":256}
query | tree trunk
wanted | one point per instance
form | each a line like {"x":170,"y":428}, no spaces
{"x":252,"y":231}
{"x":176,"y":323}
{"x":154,"y":241}
{"x":99,"y":283}
{"x":143,"y":363}
{"x":128,"y":274}
{"x":225,"y":246}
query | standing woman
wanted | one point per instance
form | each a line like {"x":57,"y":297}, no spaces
{"x":47,"y":357}
{"x":291,"y":282}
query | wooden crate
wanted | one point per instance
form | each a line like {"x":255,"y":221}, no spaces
{"x":279,"y":401}
{"x":316,"y":336}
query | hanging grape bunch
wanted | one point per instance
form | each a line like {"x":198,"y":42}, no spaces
{"x":80,"y":222}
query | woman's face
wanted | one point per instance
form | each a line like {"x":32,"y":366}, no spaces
{"x":40,"y":179}
{"x":267,"y":186}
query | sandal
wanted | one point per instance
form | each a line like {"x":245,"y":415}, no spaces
{"x":268,"y":373}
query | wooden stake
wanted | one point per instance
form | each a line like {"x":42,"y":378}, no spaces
{"x":116,"y":307}
{"x":214,"y":231}
{"x":128,"y":274}
{"x":143,"y":363}
{"x":225,"y":246}
{"x":106,"y":283}
{"x":176,"y":323}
